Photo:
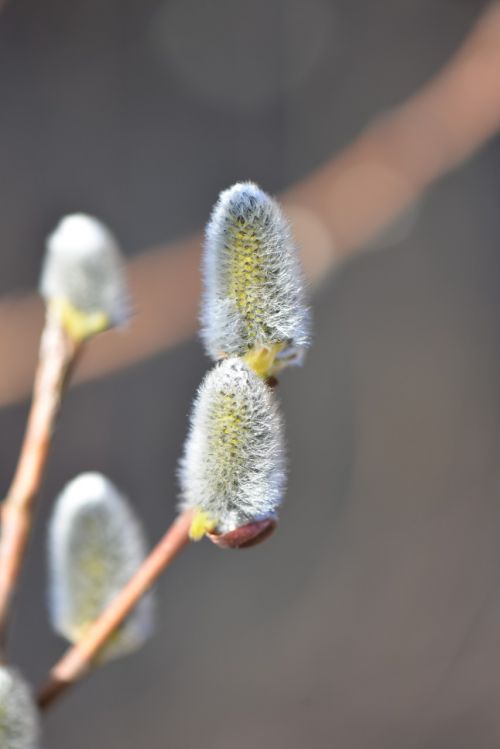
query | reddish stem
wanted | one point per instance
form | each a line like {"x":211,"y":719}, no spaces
{"x":79,"y":658}
{"x":57,"y":356}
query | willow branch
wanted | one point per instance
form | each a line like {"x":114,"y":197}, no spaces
{"x":57,"y":355}
{"x":79,"y":658}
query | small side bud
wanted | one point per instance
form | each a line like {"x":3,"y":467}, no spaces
{"x":95,"y":546}
{"x":232,"y":472}
{"x":253,"y":303}
{"x":83,"y":278}
{"x":19,"y":720}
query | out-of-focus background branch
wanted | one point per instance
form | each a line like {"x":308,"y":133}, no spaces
{"x":335,"y":211}
{"x":372,"y":618}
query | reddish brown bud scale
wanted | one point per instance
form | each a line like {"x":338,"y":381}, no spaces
{"x":244,"y":536}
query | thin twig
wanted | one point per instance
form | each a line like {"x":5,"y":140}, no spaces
{"x":79,"y":658}
{"x":57,"y":356}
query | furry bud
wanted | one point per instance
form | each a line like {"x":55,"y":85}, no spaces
{"x":233,"y":469}
{"x":19,"y":722}
{"x":83,"y":277}
{"x":95,"y":546}
{"x":253,"y":301}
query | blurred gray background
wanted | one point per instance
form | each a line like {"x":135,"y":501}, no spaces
{"x":371,"y":619}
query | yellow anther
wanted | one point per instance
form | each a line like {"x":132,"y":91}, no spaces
{"x":78,"y":325}
{"x":201,"y":525}
{"x":262,"y":359}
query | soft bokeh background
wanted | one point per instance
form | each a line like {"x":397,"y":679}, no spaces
{"x":372,"y":618}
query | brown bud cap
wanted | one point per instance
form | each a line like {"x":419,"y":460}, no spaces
{"x":245,"y":536}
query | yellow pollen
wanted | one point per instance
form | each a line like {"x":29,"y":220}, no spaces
{"x":262,"y":359}
{"x":201,"y":524}
{"x":77,"y":324}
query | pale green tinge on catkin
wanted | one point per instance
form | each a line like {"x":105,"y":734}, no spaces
{"x":83,"y":276}
{"x":95,"y":546}
{"x":253,"y":285}
{"x":233,"y":467}
{"x":19,"y":721}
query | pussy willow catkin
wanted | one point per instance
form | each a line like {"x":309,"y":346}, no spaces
{"x":253,"y":286}
{"x":233,"y":469}
{"x":83,"y":277}
{"x":95,"y":545}
{"x":19,"y":722}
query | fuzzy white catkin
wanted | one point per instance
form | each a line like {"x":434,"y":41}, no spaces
{"x":19,"y":721}
{"x":83,"y":266}
{"x":253,"y":284}
{"x":95,"y":545}
{"x":233,"y":467}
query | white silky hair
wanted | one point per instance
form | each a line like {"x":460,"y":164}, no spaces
{"x":19,"y":719}
{"x":95,"y":545}
{"x":83,"y":265}
{"x":233,"y":467}
{"x":253,"y":283}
